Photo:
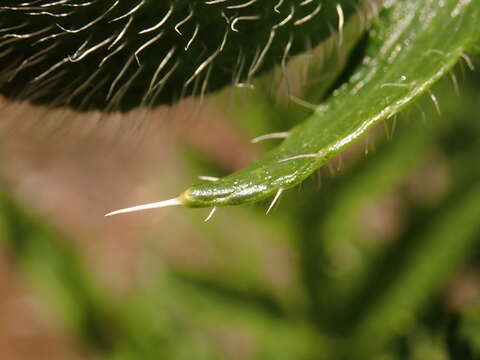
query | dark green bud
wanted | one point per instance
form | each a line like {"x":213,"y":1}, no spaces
{"x":115,"y":55}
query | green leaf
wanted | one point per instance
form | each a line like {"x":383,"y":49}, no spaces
{"x":57,"y":272}
{"x":440,"y":246}
{"x":414,"y":43}
{"x":468,"y":335}
{"x":210,"y":315}
{"x":476,"y":49}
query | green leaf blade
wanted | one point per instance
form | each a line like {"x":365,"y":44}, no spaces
{"x":413,"y":45}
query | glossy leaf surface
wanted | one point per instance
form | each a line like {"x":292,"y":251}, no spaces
{"x":413,"y":44}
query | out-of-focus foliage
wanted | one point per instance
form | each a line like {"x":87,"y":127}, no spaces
{"x":373,"y":242}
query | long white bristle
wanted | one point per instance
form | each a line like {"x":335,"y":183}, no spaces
{"x":278,"y":135}
{"x":156,"y":205}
